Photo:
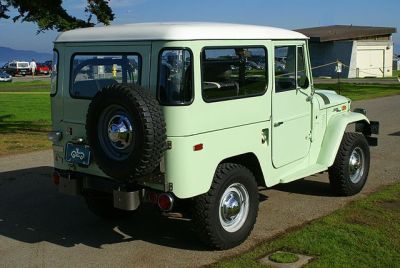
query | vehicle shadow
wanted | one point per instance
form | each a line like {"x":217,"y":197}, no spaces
{"x":307,"y":186}
{"x":32,"y":210}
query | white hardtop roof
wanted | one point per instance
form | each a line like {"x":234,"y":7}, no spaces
{"x":177,"y":31}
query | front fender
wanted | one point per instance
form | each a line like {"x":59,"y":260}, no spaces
{"x":334,"y":133}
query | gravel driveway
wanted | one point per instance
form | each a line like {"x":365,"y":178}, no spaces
{"x":40,"y":227}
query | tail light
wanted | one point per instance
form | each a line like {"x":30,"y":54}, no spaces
{"x":56,"y":178}
{"x":165,"y":201}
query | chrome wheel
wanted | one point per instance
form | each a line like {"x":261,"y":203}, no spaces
{"x":120,"y":132}
{"x":234,"y":207}
{"x":356,"y":165}
{"x":116,"y":132}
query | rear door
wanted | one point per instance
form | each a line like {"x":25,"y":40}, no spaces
{"x":291,"y":105}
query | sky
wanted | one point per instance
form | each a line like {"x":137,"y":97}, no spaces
{"x":291,"y":14}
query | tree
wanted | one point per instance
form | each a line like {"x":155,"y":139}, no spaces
{"x":50,"y":15}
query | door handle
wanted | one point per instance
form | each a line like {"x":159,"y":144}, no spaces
{"x":277,"y":124}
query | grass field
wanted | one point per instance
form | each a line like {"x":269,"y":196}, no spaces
{"x":24,"y":117}
{"x":363,"y":91}
{"x":366,"y":233}
{"x":33,"y":86}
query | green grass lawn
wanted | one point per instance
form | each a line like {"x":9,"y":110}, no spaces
{"x":363,"y":91}
{"x":24,"y":122}
{"x":366,"y":233}
{"x":32,"y":86}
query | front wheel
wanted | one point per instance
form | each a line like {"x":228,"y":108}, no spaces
{"x":349,"y":172}
{"x":225,"y":215}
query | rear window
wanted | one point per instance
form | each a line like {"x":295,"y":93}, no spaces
{"x":231,"y":73}
{"x":23,"y":65}
{"x":91,"y":73}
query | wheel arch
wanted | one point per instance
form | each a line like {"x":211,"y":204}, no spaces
{"x":250,"y":161}
{"x":334,"y":132}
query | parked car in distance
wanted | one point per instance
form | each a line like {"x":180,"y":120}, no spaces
{"x":5,"y":77}
{"x":49,"y":64}
{"x":250,"y":65}
{"x":42,"y":68}
{"x":18,"y":68}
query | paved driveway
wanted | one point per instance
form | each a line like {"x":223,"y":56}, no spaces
{"x":39,"y":227}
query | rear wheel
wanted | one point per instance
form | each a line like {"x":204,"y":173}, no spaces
{"x":226,"y":214}
{"x":349,"y":172}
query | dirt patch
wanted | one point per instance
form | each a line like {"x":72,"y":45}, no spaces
{"x":390,"y":205}
{"x":359,"y":218}
{"x":16,"y":143}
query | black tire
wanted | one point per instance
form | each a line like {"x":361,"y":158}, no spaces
{"x":349,"y":178}
{"x":141,"y":111}
{"x":102,"y":205}
{"x":207,"y":215}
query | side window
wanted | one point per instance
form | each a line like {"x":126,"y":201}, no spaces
{"x":302,"y":79}
{"x":175,"y":83}
{"x":290,"y":68}
{"x":91,"y":73}
{"x":285,"y":68}
{"x":235,"y":72}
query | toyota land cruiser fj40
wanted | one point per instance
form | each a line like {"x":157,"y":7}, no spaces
{"x":197,"y":116}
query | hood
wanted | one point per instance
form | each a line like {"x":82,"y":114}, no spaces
{"x":329,"y":98}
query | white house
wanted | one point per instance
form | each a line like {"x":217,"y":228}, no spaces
{"x":365,"y":51}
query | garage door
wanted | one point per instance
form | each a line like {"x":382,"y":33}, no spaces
{"x":370,"y":62}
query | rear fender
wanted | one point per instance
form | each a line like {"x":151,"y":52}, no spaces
{"x":334,"y":133}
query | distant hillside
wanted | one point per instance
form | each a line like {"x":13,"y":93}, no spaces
{"x":8,"y":54}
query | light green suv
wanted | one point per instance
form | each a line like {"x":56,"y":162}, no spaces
{"x":194,"y":117}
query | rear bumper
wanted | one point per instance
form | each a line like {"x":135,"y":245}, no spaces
{"x":126,"y":196}
{"x":76,"y":184}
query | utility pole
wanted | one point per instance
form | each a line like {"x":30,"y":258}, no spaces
{"x":338,"y":70}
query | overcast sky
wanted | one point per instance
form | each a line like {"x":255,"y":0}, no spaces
{"x":290,"y":14}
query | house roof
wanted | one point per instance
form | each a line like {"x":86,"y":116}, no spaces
{"x":344,"y":32}
{"x":177,"y":31}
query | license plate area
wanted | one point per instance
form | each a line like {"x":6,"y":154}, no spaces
{"x":78,"y":154}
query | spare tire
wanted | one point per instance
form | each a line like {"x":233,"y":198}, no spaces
{"x":126,"y":132}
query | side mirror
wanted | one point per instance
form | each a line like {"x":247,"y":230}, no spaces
{"x":304,"y":82}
